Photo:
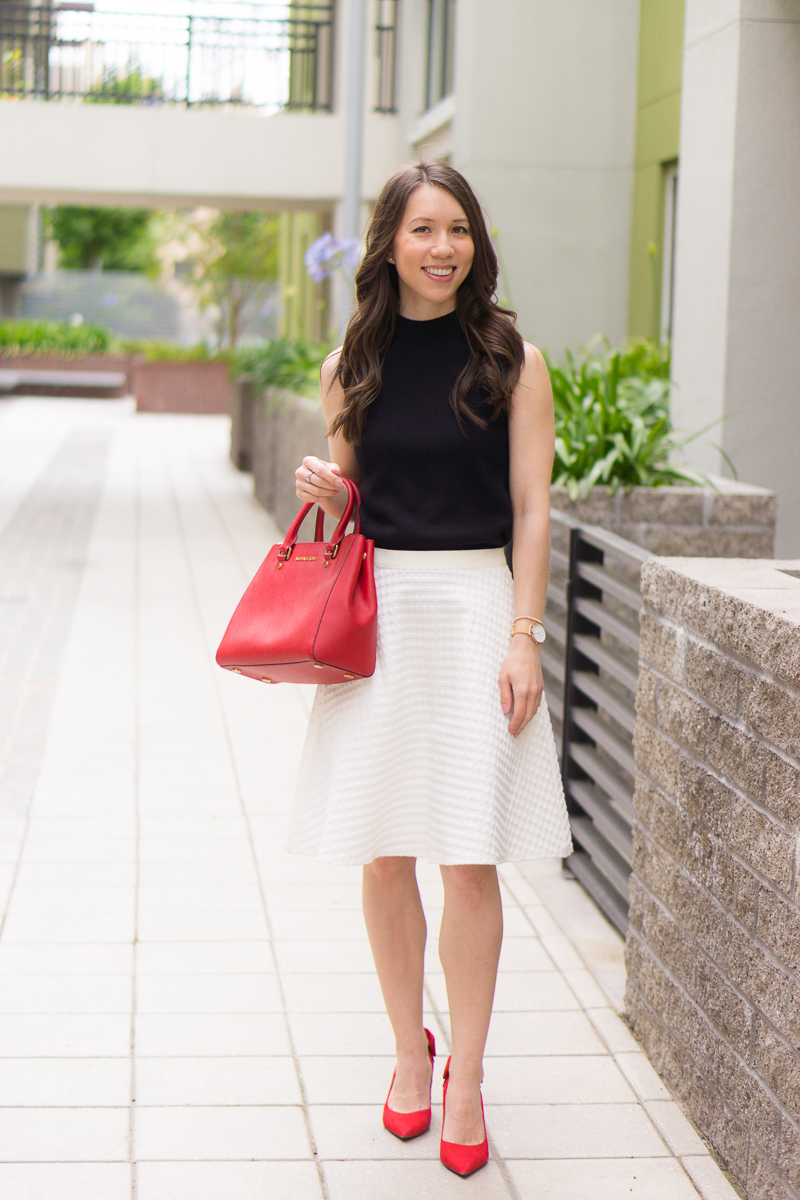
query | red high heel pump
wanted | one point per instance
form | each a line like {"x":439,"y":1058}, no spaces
{"x":462,"y":1160}
{"x":410,"y":1125}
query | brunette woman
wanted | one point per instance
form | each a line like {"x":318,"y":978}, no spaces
{"x":443,"y":416}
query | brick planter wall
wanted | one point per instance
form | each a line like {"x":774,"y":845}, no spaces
{"x":713,"y":950}
{"x":181,"y":387}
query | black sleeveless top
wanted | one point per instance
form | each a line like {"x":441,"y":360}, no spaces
{"x":426,"y":485}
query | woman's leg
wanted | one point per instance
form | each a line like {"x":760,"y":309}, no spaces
{"x":469,"y":949}
{"x":397,"y":931}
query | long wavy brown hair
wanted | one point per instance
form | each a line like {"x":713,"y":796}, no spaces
{"x":496,"y":349}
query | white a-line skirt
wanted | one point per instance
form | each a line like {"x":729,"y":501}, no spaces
{"x":417,"y":760}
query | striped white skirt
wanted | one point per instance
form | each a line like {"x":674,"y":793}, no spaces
{"x":417,"y":760}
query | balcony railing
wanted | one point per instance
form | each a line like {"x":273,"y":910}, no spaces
{"x":268,"y":57}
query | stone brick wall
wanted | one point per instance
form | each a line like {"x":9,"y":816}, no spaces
{"x":713,"y":949}
{"x":736,"y":521}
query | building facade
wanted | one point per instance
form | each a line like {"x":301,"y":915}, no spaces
{"x":639,"y":161}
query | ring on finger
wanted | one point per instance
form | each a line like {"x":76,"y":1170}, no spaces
{"x":308,"y":476}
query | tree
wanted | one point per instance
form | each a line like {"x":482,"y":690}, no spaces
{"x":126,"y":87}
{"x":234,"y":256}
{"x":113,"y":239}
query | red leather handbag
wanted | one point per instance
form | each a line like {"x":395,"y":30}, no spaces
{"x":310,"y":613}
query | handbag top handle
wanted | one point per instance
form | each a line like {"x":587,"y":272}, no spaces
{"x":331,"y":547}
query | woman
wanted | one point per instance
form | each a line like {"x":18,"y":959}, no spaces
{"x":443,"y":416}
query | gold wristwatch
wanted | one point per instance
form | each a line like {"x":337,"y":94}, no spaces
{"x":535,"y":628}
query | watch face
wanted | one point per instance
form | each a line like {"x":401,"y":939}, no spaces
{"x":538,"y":633}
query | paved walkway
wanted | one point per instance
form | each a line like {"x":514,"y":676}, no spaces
{"x":186,"y":1013}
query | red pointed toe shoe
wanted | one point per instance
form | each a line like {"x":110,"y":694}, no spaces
{"x":462,"y":1160}
{"x":410,"y":1125}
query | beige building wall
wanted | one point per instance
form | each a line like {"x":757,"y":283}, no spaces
{"x":736,"y":356}
{"x":543,"y":126}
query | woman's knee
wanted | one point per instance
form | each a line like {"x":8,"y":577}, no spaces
{"x":390,"y":871}
{"x":471,"y":882}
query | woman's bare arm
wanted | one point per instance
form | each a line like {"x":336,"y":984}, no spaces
{"x":326,"y":488}
{"x":531,"y":454}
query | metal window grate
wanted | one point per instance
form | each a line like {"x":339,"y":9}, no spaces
{"x":269,"y":57}
{"x":590,"y":664}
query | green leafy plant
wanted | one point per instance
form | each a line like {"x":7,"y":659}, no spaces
{"x":156,"y":351}
{"x":284,"y":363}
{"x":55,"y":337}
{"x":113,"y":239}
{"x":125,"y":87}
{"x":612,"y":420}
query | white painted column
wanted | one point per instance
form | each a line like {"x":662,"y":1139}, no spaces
{"x":736,"y":349}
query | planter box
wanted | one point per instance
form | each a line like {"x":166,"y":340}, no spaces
{"x":64,"y":364}
{"x":244,"y":398}
{"x":270,"y":436}
{"x":712,"y":953}
{"x":181,"y":387}
{"x":738,"y":521}
{"x":285,"y":429}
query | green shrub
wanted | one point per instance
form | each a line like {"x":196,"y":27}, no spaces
{"x":156,"y":351}
{"x":284,"y":363}
{"x":612,"y":420}
{"x":55,"y":337}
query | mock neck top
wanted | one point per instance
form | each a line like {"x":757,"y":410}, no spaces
{"x":426,"y":484}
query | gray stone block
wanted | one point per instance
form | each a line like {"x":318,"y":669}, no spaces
{"x":765,"y":1180}
{"x":650,"y":583}
{"x":655,"y":756}
{"x":764,"y":638}
{"x":765,"y":985}
{"x":703,"y":798}
{"x":743,"y":509}
{"x":687,"y":601}
{"x":733,"y":886}
{"x":715,"y":677}
{"x":782,"y":789}
{"x":746,"y":1094}
{"x":646,"y":695}
{"x":778,"y":927}
{"x":788,"y":1154}
{"x":682,"y":717}
{"x":664,"y":505}
{"x":763,"y":844}
{"x":777,"y":1064}
{"x":599,"y":507}
{"x":661,"y":645}
{"x":736,"y":756}
{"x":771,"y":711}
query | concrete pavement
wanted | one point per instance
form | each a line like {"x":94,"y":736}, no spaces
{"x":186,"y":1012}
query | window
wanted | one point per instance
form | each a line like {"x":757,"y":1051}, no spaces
{"x":441,"y":38}
{"x":386,"y":30}
{"x":668,"y":242}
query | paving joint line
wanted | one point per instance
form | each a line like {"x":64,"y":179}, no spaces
{"x":246,"y":816}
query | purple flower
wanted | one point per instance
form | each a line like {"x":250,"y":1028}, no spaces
{"x":329,"y":254}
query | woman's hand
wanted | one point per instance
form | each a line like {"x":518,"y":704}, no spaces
{"x":521,"y":682}
{"x":320,"y":482}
